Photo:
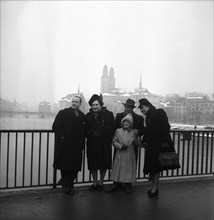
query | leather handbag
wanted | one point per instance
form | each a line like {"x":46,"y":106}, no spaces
{"x":168,"y":160}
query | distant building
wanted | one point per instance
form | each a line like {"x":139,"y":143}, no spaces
{"x":170,"y":112}
{"x":180,"y":112}
{"x":200,"y":110}
{"x":194,"y":108}
{"x":111,"y":79}
{"x":7,"y":106}
{"x":114,"y":98}
{"x":44,"y":107}
{"x":107,"y":80}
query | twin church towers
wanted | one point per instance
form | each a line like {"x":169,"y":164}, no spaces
{"x":107,"y":80}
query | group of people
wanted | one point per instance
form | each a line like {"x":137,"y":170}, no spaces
{"x":98,"y":130}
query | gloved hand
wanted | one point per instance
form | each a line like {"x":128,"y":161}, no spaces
{"x":124,"y":147}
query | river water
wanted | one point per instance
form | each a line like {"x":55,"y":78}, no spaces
{"x":25,"y":123}
{"x":22,"y":123}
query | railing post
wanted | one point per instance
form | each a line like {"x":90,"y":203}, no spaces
{"x":54,"y":178}
{"x":54,"y":169}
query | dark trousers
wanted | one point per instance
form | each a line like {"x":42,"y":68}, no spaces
{"x":68,"y":177}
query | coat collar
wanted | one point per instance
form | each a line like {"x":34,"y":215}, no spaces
{"x":72,"y":114}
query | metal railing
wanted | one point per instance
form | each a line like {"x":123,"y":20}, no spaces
{"x":26,"y":158}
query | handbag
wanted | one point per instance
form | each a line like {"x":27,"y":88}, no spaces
{"x":168,"y":160}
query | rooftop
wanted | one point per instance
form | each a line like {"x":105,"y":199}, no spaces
{"x":183,"y":199}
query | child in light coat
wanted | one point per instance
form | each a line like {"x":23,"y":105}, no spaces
{"x":124,"y":165}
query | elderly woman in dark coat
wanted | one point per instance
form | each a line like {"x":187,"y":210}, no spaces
{"x":100,"y":129}
{"x":157,"y":133}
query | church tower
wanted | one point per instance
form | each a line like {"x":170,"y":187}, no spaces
{"x":105,"y":80}
{"x":111,"y":79}
{"x":140,"y":85}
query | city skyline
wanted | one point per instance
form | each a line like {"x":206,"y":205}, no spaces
{"x":33,"y":106}
{"x":50,"y":48}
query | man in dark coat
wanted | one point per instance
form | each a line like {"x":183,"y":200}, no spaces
{"x":156,"y":134}
{"x":129,"y":106}
{"x":69,"y":129}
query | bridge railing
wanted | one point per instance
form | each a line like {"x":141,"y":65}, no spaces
{"x":26,"y":158}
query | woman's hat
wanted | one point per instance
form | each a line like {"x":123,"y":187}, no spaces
{"x":96,"y":97}
{"x":130,"y":102}
{"x":128,"y":118}
{"x":144,"y":102}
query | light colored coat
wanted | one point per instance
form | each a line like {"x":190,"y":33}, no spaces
{"x":124,"y":165}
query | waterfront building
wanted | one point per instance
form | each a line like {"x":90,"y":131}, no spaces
{"x":7,"y":106}
{"x":200,"y":110}
{"x":194,"y":109}
{"x":180,"y":112}
{"x":44,"y":107}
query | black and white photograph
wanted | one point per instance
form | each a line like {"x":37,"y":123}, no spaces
{"x":107,"y":110}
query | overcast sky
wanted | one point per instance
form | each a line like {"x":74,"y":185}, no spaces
{"x":49,"y":47}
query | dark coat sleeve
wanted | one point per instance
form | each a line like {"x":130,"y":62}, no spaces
{"x":58,"y":125}
{"x":165,"y":128}
{"x":108,"y":130}
{"x":138,"y":123}
{"x":117,"y":121}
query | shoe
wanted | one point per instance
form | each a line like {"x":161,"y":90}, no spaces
{"x":128,"y":188}
{"x":99,"y":187}
{"x":112,"y":188}
{"x":66,"y":189}
{"x":153,"y":195}
{"x":71,"y":190}
{"x":60,"y":182}
{"x":93,"y":187}
{"x":149,"y":191}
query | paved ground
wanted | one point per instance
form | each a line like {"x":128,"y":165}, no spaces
{"x":178,"y":200}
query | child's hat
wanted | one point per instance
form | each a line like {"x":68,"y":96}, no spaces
{"x":128,"y":118}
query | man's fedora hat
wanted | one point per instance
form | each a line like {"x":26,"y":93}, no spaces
{"x":130,"y":102}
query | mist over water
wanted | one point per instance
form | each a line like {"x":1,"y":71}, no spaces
{"x":26,"y":123}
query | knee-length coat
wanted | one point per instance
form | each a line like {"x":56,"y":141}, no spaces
{"x":124,"y":165}
{"x":100,"y":130}
{"x":70,"y":136}
{"x":157,"y":131}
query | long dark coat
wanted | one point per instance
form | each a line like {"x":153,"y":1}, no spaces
{"x":157,"y":131}
{"x":70,"y":135}
{"x":100,"y":131}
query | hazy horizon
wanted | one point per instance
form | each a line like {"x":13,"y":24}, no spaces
{"x":48,"y":48}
